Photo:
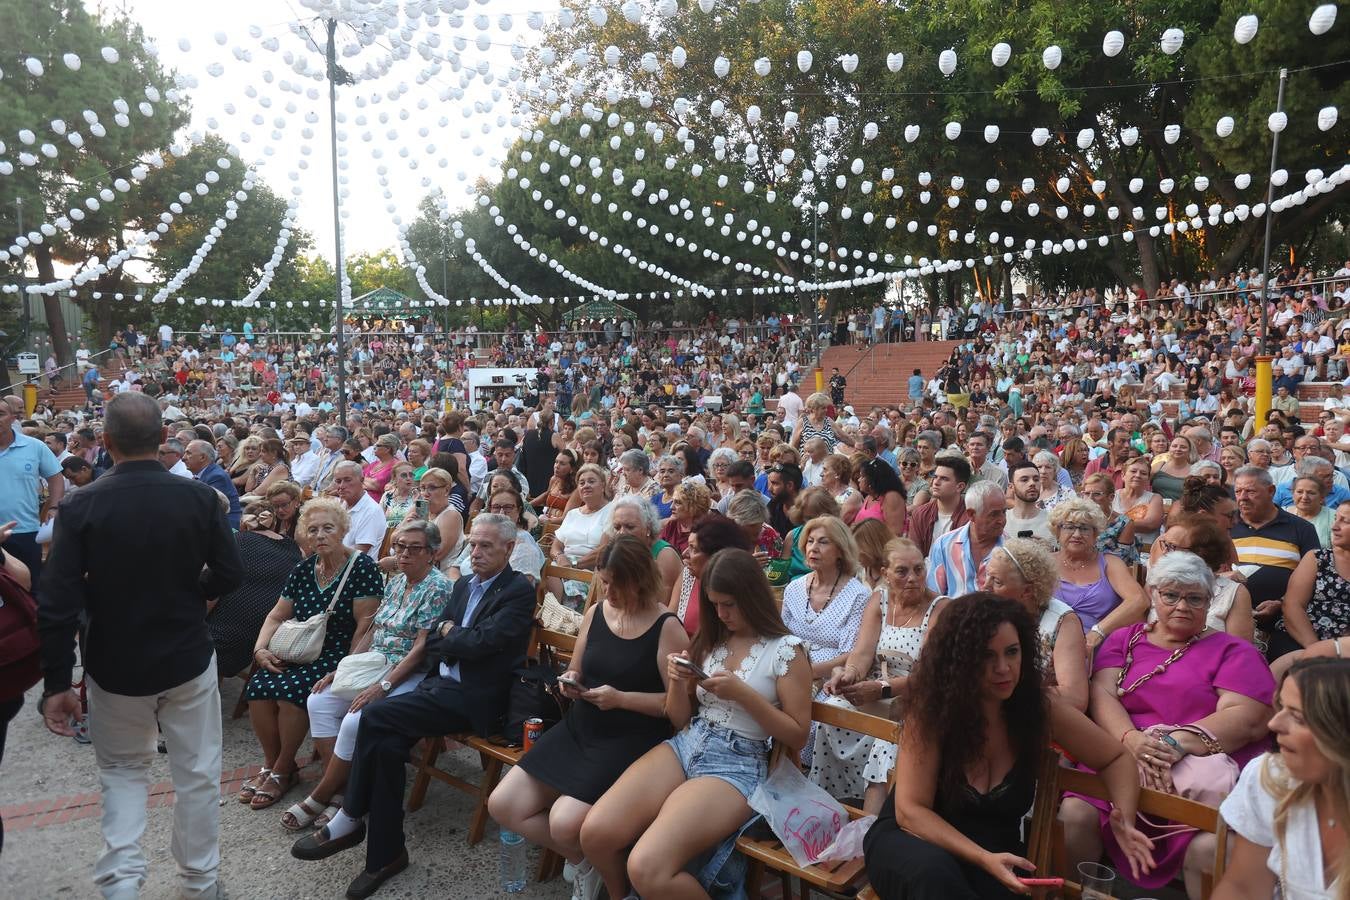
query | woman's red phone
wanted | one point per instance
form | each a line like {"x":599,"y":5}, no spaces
{"x":691,"y":666}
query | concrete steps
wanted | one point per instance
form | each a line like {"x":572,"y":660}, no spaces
{"x":878,"y":375}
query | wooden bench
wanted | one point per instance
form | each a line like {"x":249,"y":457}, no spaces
{"x":495,"y":752}
{"x":832,"y":878}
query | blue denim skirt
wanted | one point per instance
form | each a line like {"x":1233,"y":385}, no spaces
{"x":710,"y":750}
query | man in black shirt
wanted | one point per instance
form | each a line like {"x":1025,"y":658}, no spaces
{"x":537,"y":451}
{"x":143,"y":583}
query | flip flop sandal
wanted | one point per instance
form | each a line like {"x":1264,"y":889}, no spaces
{"x":302,"y":815}
{"x":250,"y":787}
{"x":327,"y":815}
{"x":266,"y":796}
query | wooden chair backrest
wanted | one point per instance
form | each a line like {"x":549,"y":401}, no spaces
{"x":384,"y":544}
{"x":563,"y":644}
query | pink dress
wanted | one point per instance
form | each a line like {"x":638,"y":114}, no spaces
{"x":382,"y":474}
{"x":870,"y":509}
{"x":1187,"y":691}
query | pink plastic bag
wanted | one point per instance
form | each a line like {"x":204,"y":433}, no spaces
{"x":848,"y":843}
{"x":802,"y":815}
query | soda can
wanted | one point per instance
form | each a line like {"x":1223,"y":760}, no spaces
{"x":533,"y":728}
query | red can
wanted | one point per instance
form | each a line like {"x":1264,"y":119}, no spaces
{"x":533,"y":728}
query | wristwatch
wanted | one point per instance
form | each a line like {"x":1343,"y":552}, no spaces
{"x":886,"y":692}
{"x":386,"y":685}
{"x":1097,"y":630}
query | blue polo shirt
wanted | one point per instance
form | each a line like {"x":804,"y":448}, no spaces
{"x":22,"y":464}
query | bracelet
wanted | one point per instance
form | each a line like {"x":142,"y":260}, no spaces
{"x":1126,"y":733}
{"x":1336,"y":645}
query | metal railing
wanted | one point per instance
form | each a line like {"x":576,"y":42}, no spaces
{"x":55,"y":376}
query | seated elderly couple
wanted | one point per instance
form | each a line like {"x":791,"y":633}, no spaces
{"x":666,"y":761}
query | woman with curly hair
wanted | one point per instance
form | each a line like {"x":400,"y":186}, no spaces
{"x":951,"y":828}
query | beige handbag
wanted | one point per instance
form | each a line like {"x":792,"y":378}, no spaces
{"x":556,"y":617}
{"x":302,"y":642}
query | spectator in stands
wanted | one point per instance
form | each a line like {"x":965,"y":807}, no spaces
{"x":435,"y":488}
{"x":895,"y":620}
{"x":947,"y":510}
{"x":617,"y":716}
{"x":784,"y":484}
{"x":691,"y":503}
{"x":1056,"y":486}
{"x":883,"y":496}
{"x":278,"y":690}
{"x":1137,"y":502}
{"x":1098,"y":586}
{"x":956,"y":562}
{"x":1282,"y":798}
{"x":824,"y":607}
{"x":698,"y":782}
{"x":413,"y":599}
{"x":815,"y":424}
{"x":711,"y":534}
{"x":1270,"y":542}
{"x":377,"y":473}
{"x":836,"y":477}
{"x":872,"y":538}
{"x":1317,"y":597}
{"x":581,"y":536}
{"x":1230,"y":609}
{"x":635,"y":477}
{"x":526,"y":557}
{"x":285,"y":499}
{"x":562,"y":485}
{"x":269,"y":555}
{"x":472,"y":649}
{"x":397,"y":502}
{"x":77,"y":472}
{"x":635,"y":516}
{"x":1024,"y":570}
{"x":748,"y":510}
{"x":241,"y":464}
{"x":952,"y":825}
{"x":669,"y":473}
{"x":740,"y":477}
{"x":366,"y":531}
{"x":1172,"y":470}
{"x":1118,"y":537}
{"x":1308,"y":503}
{"x":1113,"y":461}
{"x":200,"y":458}
{"x":1025,"y":518}
{"x":1149,"y":682}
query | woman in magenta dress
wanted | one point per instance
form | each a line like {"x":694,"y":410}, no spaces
{"x":1170,"y":690}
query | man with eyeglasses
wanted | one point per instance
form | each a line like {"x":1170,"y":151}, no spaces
{"x":171,"y":457}
{"x":1270,"y":542}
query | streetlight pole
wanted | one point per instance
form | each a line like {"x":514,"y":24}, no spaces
{"x":445,"y":281}
{"x":333,"y":74}
{"x":1270,"y":215}
{"x":26,"y":337}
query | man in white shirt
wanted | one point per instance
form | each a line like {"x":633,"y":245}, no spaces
{"x":789,"y":409}
{"x":1025,"y":518}
{"x":165,"y":336}
{"x":366,"y":533}
{"x":304,"y":462}
{"x":816,"y":451}
{"x":171,"y":457}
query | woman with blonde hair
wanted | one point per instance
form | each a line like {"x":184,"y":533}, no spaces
{"x":247,"y":453}
{"x":398,"y":501}
{"x":824,"y":607}
{"x":1097,"y":585}
{"x":836,"y":476}
{"x":1073,"y":457}
{"x":749,"y":510}
{"x":810,"y":504}
{"x":1023,"y":570}
{"x":1289,"y":807}
{"x":273,"y":465}
{"x":1171,"y":471}
{"x":815,"y":423}
{"x":1232,"y":458}
{"x":872,"y":537}
{"x":691,"y":502}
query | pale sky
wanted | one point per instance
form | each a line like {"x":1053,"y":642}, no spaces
{"x":368,"y":224}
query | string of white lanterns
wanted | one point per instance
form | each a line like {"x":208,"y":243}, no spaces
{"x":51,"y":150}
{"x":212,"y":236}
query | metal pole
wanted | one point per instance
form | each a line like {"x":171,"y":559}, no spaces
{"x":815,"y":303}
{"x":26,"y":337}
{"x":445,"y":281}
{"x":337,"y":226}
{"x":1270,"y":216}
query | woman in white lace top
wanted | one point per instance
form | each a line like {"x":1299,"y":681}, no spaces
{"x":749,"y":683}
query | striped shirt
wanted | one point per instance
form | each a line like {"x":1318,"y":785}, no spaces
{"x":1268,"y":555}
{"x":952,"y":567}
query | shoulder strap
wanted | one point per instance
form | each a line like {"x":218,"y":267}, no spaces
{"x":346,"y":570}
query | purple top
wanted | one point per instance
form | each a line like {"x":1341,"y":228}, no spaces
{"x":1093,"y":602}
{"x":1189,"y":688}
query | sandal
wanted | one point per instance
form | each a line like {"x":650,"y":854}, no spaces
{"x":250,"y":786}
{"x":327,"y":815}
{"x":302,"y":815}
{"x":273,"y":789}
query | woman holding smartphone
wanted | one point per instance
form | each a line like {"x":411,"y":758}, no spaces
{"x":617,"y":682}
{"x":688,"y":795}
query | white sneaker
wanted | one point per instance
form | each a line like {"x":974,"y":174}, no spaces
{"x":569,"y":871}
{"x":586,"y":882}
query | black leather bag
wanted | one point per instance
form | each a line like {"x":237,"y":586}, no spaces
{"x":534,"y":695}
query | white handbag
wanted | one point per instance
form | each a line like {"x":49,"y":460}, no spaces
{"x":358,"y":671}
{"x":302,"y":642}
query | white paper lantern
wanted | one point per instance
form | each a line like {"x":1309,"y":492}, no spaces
{"x":1085,"y":138}
{"x":1113,"y":43}
{"x":1166,"y":185}
{"x":1243,"y":181}
{"x":649,"y":63}
{"x":804,"y":59}
{"x":1326,"y":118}
{"x":34,"y":66}
{"x":1033,"y":209}
{"x":1322,"y":18}
{"x":1136,"y":185}
{"x":763,"y":66}
{"x":110,"y":54}
{"x":953,"y":130}
{"x":1171,"y":41}
{"x":721,"y":66}
{"x":1061,"y":184}
{"x":911,"y":133}
{"x":752,"y":115}
{"x":72,"y":61}
{"x":706,"y":5}
{"x":1245,"y":29}
{"x":831,"y":125}
{"x":1224,"y":127}
{"x":1277,"y":121}
{"x":1039,"y":136}
{"x":1028,"y":185}
{"x":1052,"y":56}
{"x":717,"y":108}
{"x":870,"y":131}
{"x":1001,"y":53}
{"x":990,"y":133}
{"x":1172,"y":133}
{"x":1129,"y":136}
{"x":895,"y":61}
{"x":1280,"y":177}
{"x":947,"y":62}
{"x":990,"y":185}
{"x":678,"y":57}
{"x":925,"y":179}
{"x":1201,"y":183}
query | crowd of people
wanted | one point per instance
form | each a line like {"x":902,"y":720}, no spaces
{"x":1040,"y":543}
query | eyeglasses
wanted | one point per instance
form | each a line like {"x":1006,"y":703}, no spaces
{"x":504,"y":509}
{"x":1077,"y":528}
{"x":1169,"y":547}
{"x":909,"y":465}
{"x":398,"y":548}
{"x":1194,"y":601}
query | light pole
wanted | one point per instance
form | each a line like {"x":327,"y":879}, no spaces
{"x":1270,"y":216}
{"x":336,"y":74}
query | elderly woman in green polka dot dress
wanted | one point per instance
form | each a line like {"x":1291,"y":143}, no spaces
{"x":278,"y":691}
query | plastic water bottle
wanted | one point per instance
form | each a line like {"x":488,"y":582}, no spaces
{"x":512,"y":860}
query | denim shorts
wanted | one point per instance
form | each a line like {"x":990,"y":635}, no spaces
{"x":706,"y":749}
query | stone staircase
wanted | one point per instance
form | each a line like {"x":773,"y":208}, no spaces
{"x":878,"y":375}
{"x":70,"y":394}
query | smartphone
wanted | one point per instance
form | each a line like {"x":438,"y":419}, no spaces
{"x":1042,"y":882}
{"x":422,"y":509}
{"x":564,"y":678}
{"x":693,"y":669}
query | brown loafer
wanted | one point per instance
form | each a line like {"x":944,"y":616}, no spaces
{"x":367,"y":883}
{"x":318,"y":845}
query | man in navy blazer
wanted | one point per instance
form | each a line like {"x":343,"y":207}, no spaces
{"x":200,"y":458}
{"x":471,"y":651}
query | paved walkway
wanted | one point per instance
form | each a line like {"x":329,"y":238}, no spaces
{"x":49,"y":798}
